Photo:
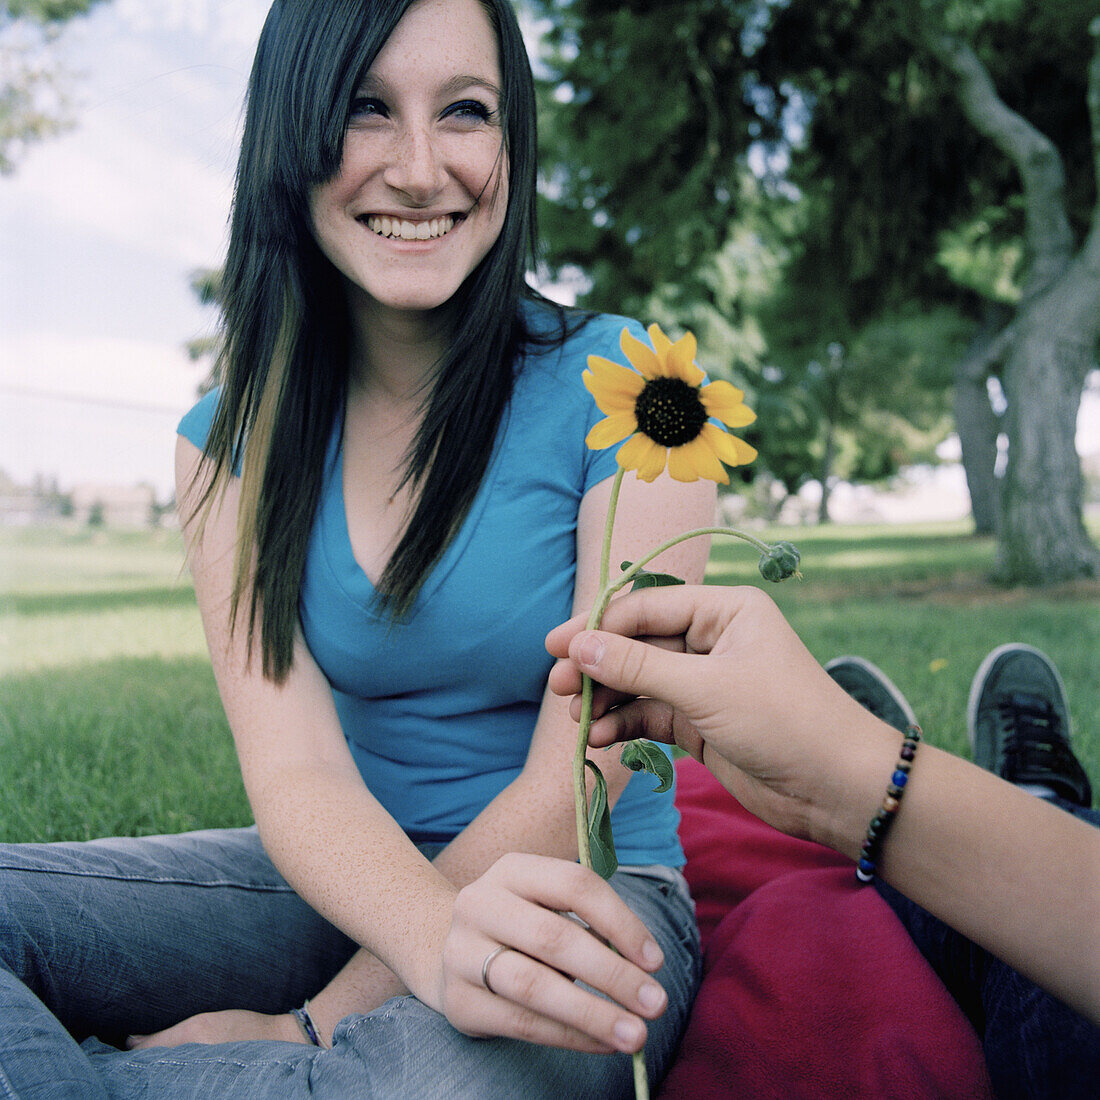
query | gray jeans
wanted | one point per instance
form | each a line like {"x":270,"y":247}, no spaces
{"x":107,"y":938}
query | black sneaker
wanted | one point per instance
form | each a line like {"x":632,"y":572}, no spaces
{"x":1018,"y":721}
{"x":872,"y":688}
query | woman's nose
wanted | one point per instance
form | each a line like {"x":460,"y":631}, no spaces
{"x":416,"y":168}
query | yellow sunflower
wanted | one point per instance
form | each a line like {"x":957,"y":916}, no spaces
{"x":664,"y":408}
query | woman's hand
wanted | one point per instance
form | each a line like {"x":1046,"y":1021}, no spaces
{"x":519,"y":903}
{"x":721,"y":673}
{"x":230,"y":1026}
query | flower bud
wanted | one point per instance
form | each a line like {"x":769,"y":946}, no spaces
{"x":779,"y":562}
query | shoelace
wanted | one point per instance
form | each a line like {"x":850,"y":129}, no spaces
{"x":1035,"y":742}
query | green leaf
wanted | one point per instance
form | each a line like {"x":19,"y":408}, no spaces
{"x":604,"y":861}
{"x":643,"y":579}
{"x":645,"y":756}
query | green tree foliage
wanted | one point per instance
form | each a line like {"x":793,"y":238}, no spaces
{"x":670,"y":182}
{"x":46,"y":11}
{"x":206,"y":285}
{"x":33,"y":102}
{"x":644,"y":135}
{"x":862,"y":116}
{"x":903,"y":178}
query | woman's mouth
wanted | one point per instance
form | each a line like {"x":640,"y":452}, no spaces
{"x":400,"y":229}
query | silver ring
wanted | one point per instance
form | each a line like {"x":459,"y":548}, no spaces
{"x":489,"y":962}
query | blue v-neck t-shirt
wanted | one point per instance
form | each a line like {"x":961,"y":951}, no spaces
{"x":438,"y":708}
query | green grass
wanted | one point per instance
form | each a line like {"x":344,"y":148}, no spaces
{"x":110,"y":721}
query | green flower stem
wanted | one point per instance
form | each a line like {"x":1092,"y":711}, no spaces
{"x":607,"y":590}
{"x":580,"y":787}
{"x":608,"y":527}
{"x":629,"y":574}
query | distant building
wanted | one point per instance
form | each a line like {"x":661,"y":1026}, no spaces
{"x":31,"y":505}
{"x":113,"y":505}
{"x":90,"y":504}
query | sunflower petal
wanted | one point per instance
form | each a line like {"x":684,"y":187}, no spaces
{"x":662,"y":345}
{"x":611,"y":430}
{"x":615,"y":388}
{"x":633,"y":451}
{"x":746,"y":452}
{"x":720,"y":443}
{"x":640,"y":453}
{"x":612,"y":375}
{"x":681,"y":360}
{"x":654,"y":464}
{"x":642,"y":358}
{"x":731,"y":450}
{"x":726,"y":402}
{"x":661,"y":342}
{"x":702,"y":459}
{"x":681,"y":466}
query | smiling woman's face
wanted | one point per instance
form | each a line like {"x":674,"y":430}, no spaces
{"x":422,"y":188}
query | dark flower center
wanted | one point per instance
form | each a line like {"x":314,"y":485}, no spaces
{"x":669,"y":411}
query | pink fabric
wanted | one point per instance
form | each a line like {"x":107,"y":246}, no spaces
{"x":811,"y":986}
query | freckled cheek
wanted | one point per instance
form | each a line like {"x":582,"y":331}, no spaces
{"x":477,"y":165}
{"x":361,"y":157}
{"x":363,"y":154}
{"x":494,"y":190}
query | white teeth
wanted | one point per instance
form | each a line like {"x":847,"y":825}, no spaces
{"x":410,"y":231}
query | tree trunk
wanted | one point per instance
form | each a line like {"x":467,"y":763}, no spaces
{"x":826,"y":473}
{"x":1042,"y":537}
{"x":1042,"y":534}
{"x":978,"y":425}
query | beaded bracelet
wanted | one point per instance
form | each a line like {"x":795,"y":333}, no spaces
{"x":881,"y":822}
{"x":305,"y":1022}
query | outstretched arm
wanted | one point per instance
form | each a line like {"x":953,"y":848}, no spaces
{"x":733,"y":684}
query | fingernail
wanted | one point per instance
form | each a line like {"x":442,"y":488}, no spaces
{"x":629,"y":1034}
{"x":652,"y":954}
{"x":590,"y":650}
{"x":651,"y":996}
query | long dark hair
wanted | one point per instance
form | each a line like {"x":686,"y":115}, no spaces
{"x":286,"y":346}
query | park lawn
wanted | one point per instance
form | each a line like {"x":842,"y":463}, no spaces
{"x":110,"y":721}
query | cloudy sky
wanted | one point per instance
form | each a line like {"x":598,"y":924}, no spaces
{"x":101,"y":228}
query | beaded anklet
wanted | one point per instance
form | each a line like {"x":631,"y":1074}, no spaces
{"x":881,"y":822}
{"x":305,"y":1022}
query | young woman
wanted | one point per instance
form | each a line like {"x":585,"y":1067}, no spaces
{"x":389,"y":494}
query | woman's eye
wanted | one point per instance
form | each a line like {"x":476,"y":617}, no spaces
{"x":471,"y":110}
{"x":366,"y":107}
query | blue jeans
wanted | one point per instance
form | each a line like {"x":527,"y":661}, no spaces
{"x":1034,"y":1045}
{"x":108,"y":938}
